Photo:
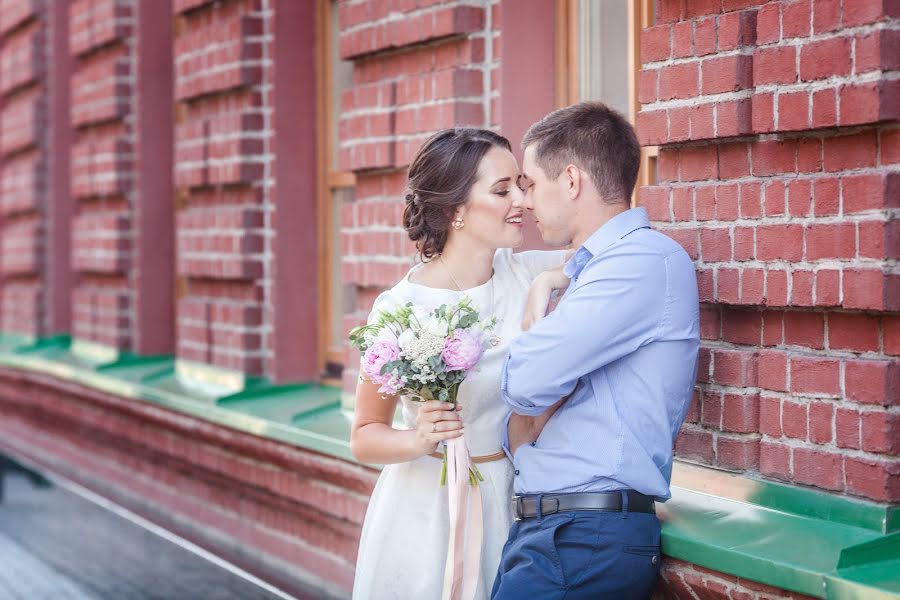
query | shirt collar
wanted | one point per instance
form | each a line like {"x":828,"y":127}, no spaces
{"x":611,"y":231}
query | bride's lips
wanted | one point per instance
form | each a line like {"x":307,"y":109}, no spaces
{"x":515,"y":220}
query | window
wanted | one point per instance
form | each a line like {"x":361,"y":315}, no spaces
{"x":335,"y":191}
{"x":598,"y":58}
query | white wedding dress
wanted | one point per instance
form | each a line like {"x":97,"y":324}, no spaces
{"x":404,"y":539}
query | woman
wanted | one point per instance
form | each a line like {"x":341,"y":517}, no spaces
{"x":464,"y":213}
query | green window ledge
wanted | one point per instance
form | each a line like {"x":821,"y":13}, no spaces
{"x":789,"y":537}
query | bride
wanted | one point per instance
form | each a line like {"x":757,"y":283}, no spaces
{"x":464,"y":212}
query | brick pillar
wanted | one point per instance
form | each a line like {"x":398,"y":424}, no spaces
{"x":34,"y":191}
{"x":778,"y":172}
{"x":222,"y":159}
{"x":121,"y":174}
{"x":444,"y":76}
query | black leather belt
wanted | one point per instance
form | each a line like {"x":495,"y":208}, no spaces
{"x":526,"y":507}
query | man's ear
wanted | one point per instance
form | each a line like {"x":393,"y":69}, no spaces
{"x":573,"y":181}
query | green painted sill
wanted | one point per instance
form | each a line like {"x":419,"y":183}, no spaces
{"x":789,"y":537}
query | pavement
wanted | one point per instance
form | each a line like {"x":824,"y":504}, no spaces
{"x":56,"y":544}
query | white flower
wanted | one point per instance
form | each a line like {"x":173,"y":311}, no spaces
{"x":386,"y":335}
{"x":406,"y":339}
{"x":436,"y":327}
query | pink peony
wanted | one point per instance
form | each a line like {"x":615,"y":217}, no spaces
{"x":378,"y":355}
{"x":462,"y":351}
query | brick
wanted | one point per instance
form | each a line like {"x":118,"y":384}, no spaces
{"x":826,"y":15}
{"x":667,"y":164}
{"x":752,"y":286}
{"x":773,"y":328}
{"x":701,"y":122}
{"x":656,"y":200}
{"x":846,"y":428}
{"x":705,"y":285}
{"x":715,"y":245}
{"x":705,"y":36}
{"x":740,"y":413}
{"x":826,"y":196}
{"x":775,"y":460}
{"x":793,"y":111}
{"x":891,"y":329}
{"x":699,"y":163}
{"x":763,"y":113}
{"x":647,"y":86}
{"x":737,"y":454}
{"x":776,"y":288}
{"x":802,"y":286}
{"x":770,"y":416}
{"x":815,"y":376}
{"x":737,"y":368}
{"x":773,"y":157}
{"x":804,"y":329}
{"x":734,"y":160}
{"x":652,"y":126}
{"x":821,"y":469}
{"x":795,"y":19}
{"x":728,"y":286}
{"x":872,"y":381}
{"x":821,"y":417}
{"x":774,"y":202}
{"x":864,"y":289}
{"x":711,"y":409}
{"x":854,"y":332}
{"x":728,"y":202}
{"x":710,"y":323}
{"x":768,"y":23}
{"x":809,"y":155}
{"x":863,"y":192}
{"x":775,"y":65}
{"x":824,"y":108}
{"x":726,"y":74}
{"x":794,"y":419}
{"x":734,"y":117}
{"x":825,"y":58}
{"x":656,"y":43}
{"x":687,"y":239}
{"x":744,"y":243}
{"x":850,"y":151}
{"x":741,"y":326}
{"x":828,"y":287}
{"x":736,"y":29}
{"x":679,"y":81}
{"x":679,"y":124}
{"x":779,"y":242}
{"x":704,"y":205}
{"x":881,"y":432}
{"x":833,"y":240}
{"x":861,"y":12}
{"x":879,"y":240}
{"x":693,"y":444}
{"x":683,"y":39}
{"x":873,"y":479}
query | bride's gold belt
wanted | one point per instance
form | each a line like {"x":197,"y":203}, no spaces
{"x":498,"y":455}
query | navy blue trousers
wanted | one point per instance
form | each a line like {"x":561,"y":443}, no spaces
{"x":580,"y":554}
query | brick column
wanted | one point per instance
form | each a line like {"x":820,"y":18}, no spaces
{"x":222,"y":160}
{"x":435,"y":67}
{"x":778,"y":172}
{"x":34,"y":191}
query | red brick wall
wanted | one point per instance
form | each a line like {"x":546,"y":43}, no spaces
{"x":436,"y":67}
{"x":778,"y":172}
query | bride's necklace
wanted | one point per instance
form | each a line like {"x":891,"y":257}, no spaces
{"x":494,"y":339}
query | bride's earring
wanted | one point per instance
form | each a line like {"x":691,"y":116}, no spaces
{"x":458,"y":223}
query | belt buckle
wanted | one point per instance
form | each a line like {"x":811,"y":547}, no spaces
{"x":518,"y":508}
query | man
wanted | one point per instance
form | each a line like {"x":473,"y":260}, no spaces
{"x":621,"y":351}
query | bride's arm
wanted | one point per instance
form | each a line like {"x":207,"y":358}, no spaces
{"x":373,"y":440}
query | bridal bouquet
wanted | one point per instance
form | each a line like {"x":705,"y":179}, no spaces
{"x":424,"y":353}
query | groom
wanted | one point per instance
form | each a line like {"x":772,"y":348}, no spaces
{"x":620,"y":349}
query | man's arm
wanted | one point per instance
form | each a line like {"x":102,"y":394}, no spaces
{"x":617,"y":307}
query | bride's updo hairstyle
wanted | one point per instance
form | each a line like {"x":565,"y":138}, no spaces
{"x":439,"y":180}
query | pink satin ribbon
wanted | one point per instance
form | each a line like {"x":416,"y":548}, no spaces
{"x":463,"y":567}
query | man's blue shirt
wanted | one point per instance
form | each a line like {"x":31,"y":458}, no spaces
{"x":623,"y":341}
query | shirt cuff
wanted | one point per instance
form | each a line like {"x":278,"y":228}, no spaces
{"x":504,"y":444}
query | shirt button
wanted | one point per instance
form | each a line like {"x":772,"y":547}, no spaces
{"x":533,"y":444}
{"x":517,"y":471}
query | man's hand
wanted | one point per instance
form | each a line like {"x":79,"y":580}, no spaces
{"x":525,"y":430}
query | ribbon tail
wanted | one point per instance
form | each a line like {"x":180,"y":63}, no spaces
{"x":463,"y":566}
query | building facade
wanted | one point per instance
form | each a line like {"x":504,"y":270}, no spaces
{"x":199,"y":198}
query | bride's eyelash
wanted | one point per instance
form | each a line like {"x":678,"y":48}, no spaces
{"x":502,"y":192}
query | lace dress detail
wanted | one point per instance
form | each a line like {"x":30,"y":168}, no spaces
{"x":403,"y":546}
